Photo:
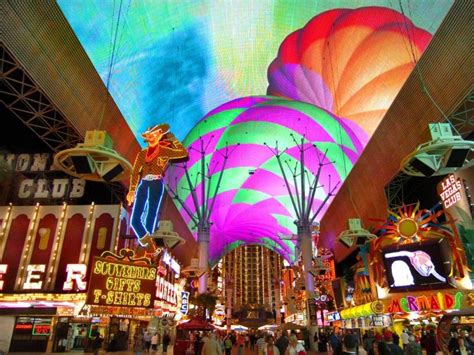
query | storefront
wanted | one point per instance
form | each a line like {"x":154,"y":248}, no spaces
{"x":419,"y":310}
{"x":31,"y":334}
{"x":57,"y":276}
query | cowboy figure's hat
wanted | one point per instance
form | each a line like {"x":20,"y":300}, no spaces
{"x":163,"y":127}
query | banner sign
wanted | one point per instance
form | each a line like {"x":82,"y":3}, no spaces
{"x":121,"y":283}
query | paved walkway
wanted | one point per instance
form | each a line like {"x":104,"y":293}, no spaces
{"x":234,"y":352}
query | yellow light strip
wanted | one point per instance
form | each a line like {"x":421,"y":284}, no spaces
{"x":117,"y":230}
{"x":89,"y":234}
{"x":58,"y":297}
{"x":26,"y":248}
{"x":3,"y":237}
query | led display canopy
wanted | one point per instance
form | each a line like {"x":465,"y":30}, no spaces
{"x":187,"y":58}
{"x":180,"y":59}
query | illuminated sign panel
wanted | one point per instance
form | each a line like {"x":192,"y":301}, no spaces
{"x":450,"y":190}
{"x":76,"y":274}
{"x":118,"y":283}
{"x":165,"y":291}
{"x":333,"y":316}
{"x":184,"y":302}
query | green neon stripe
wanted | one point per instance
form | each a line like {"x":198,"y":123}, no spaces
{"x":285,"y":221}
{"x":250,"y":197}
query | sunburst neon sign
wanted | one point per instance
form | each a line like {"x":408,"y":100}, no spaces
{"x":411,"y":224}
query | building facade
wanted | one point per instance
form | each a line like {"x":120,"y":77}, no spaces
{"x":254,"y":271}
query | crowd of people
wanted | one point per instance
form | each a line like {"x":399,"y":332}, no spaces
{"x":148,"y":342}
{"x":282,"y":343}
{"x":217,"y":343}
{"x":416,"y":343}
{"x":462,"y":342}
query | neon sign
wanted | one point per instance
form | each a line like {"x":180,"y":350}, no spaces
{"x":24,"y":326}
{"x":451,"y":190}
{"x":41,"y":329}
{"x":118,"y":283}
{"x":434,"y":302}
{"x":146,"y":181}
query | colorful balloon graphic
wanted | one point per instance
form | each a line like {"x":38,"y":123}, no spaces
{"x":351,"y":62}
{"x":252,"y":205}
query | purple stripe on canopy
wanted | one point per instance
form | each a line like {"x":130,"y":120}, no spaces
{"x":246,"y":228}
{"x":194,"y":155}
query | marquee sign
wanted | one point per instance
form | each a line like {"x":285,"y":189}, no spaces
{"x":116,"y":281}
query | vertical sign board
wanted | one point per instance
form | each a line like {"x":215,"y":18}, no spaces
{"x":451,"y":191}
{"x":121,"y":283}
{"x":455,"y":200}
{"x":184,"y":302}
{"x":312,"y":309}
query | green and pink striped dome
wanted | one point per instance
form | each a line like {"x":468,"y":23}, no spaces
{"x":252,"y":205}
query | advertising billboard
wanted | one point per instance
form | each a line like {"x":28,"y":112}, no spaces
{"x":417,"y":266}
